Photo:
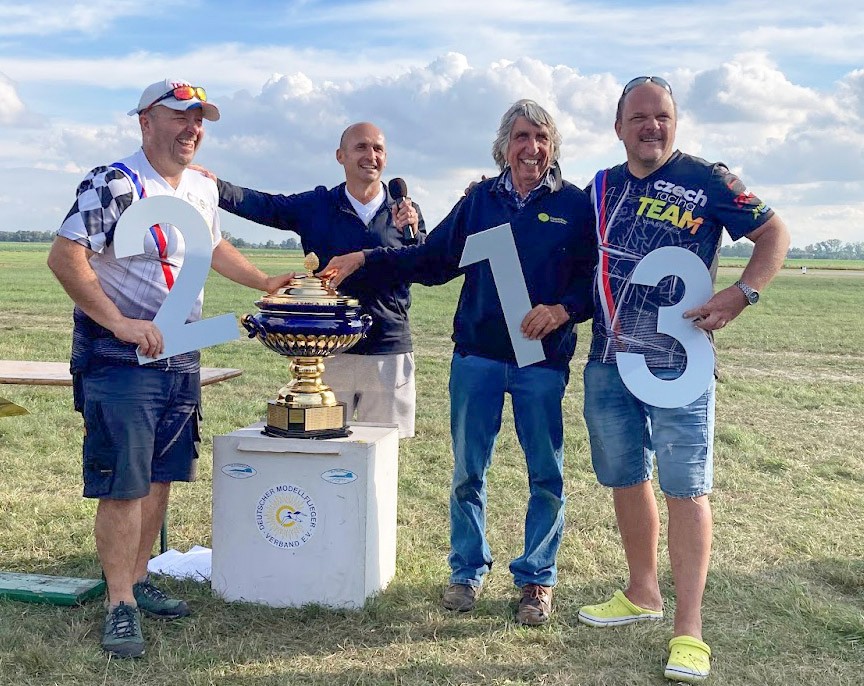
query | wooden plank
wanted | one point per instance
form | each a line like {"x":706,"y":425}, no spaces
{"x":216,"y":374}
{"x":35,"y":373}
{"x":42,"y":588}
{"x":30,"y":373}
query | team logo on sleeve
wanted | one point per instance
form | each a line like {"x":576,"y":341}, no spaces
{"x":745,"y":199}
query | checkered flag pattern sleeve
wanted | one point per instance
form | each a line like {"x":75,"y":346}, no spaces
{"x":103,"y":196}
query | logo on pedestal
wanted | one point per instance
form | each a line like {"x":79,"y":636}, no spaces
{"x":339,"y":476}
{"x":286,"y":516}
{"x":238,"y":470}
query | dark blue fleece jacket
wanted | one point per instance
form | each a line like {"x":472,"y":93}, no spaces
{"x":557,"y":247}
{"x":329,"y":226}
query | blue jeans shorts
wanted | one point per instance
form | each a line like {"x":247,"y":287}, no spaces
{"x":627,"y":435}
{"x":141,"y":427}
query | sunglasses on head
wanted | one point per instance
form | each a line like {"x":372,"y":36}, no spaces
{"x":182,"y":93}
{"x":639,"y":80}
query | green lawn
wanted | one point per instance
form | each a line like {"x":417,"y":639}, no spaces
{"x":797,"y":263}
{"x":785,"y":596}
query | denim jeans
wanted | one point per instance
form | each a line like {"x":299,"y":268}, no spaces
{"x":627,"y":435}
{"x":477,"y":388}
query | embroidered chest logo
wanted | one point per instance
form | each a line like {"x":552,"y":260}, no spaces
{"x":543,"y":217}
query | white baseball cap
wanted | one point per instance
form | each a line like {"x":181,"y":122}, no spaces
{"x":162,"y":93}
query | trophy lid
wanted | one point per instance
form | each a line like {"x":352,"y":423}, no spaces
{"x":307,"y":289}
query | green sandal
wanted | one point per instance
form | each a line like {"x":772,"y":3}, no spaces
{"x":689,"y":660}
{"x":617,"y":611}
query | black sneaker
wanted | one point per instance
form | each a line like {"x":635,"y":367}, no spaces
{"x":121,"y":635}
{"x":156,"y":604}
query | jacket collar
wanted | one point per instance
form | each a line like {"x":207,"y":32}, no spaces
{"x":552,"y":180}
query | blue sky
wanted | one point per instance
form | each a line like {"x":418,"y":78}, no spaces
{"x":775,"y":90}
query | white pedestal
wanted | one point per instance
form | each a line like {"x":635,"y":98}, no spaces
{"x":304,"y":521}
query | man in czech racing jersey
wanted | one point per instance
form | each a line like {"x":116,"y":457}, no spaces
{"x":663,"y":197}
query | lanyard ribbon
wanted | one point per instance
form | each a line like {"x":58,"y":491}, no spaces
{"x":155,"y":230}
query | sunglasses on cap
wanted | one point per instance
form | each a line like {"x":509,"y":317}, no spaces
{"x":639,"y":80}
{"x":182,"y":93}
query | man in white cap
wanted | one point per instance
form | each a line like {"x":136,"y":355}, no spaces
{"x":141,"y":421}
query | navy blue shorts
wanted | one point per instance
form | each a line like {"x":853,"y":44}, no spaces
{"x":141,"y":427}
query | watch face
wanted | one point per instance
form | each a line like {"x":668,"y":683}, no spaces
{"x":751,"y":295}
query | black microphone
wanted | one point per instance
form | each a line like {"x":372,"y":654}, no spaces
{"x":399,"y":189}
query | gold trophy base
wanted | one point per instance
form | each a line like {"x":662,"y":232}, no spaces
{"x":319,"y":421}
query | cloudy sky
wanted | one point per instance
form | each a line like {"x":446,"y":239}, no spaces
{"x":775,"y":90}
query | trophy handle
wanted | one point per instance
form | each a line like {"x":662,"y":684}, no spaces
{"x":252,"y":326}
{"x":367,"y":322}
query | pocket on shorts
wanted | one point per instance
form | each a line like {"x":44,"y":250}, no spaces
{"x":195,"y":429}
{"x":99,"y":456}
{"x":405,"y":370}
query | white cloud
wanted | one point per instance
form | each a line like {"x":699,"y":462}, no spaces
{"x":62,"y":16}
{"x":800,"y":148}
{"x":12,"y":110}
{"x":751,"y":89}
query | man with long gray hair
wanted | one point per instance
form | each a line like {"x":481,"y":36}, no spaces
{"x":551,"y":223}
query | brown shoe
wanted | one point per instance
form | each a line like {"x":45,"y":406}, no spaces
{"x":460,"y":597}
{"x":535,"y":605}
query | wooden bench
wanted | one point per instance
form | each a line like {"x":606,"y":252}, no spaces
{"x":29,"y":373}
{"x":57,"y":373}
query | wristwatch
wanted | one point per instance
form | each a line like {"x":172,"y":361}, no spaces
{"x":751,"y":294}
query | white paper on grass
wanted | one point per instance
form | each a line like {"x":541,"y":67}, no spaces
{"x":194,"y":564}
{"x":177,"y":335}
{"x":497,"y":246}
{"x":697,"y":376}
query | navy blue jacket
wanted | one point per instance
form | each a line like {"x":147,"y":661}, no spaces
{"x":329,"y":226}
{"x":557,"y":247}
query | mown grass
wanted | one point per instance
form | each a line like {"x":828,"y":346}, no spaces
{"x":785,"y":597}
{"x":798,"y":262}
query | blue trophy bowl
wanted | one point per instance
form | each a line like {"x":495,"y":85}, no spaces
{"x":307,"y":321}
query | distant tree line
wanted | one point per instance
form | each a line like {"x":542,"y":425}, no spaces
{"x":48,"y":236}
{"x":832,"y":249}
{"x":26,"y":236}
{"x":287,"y":244}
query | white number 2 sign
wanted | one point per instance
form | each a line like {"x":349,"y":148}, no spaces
{"x":699,"y":372}
{"x":497,"y":246}
{"x":177,"y":335}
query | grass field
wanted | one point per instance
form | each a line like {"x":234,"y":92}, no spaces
{"x":785,"y":596}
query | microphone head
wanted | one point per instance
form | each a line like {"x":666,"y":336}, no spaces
{"x":398,"y":188}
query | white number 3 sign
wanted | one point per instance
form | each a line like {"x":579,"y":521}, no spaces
{"x":177,"y":335}
{"x":699,"y":372}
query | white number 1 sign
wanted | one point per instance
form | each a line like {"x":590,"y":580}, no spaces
{"x":699,"y":372}
{"x":497,"y":246}
{"x":177,"y":335}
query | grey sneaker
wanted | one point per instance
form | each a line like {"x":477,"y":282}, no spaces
{"x":535,"y":605}
{"x":460,"y":597}
{"x":156,"y":604}
{"x":121,"y":635}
